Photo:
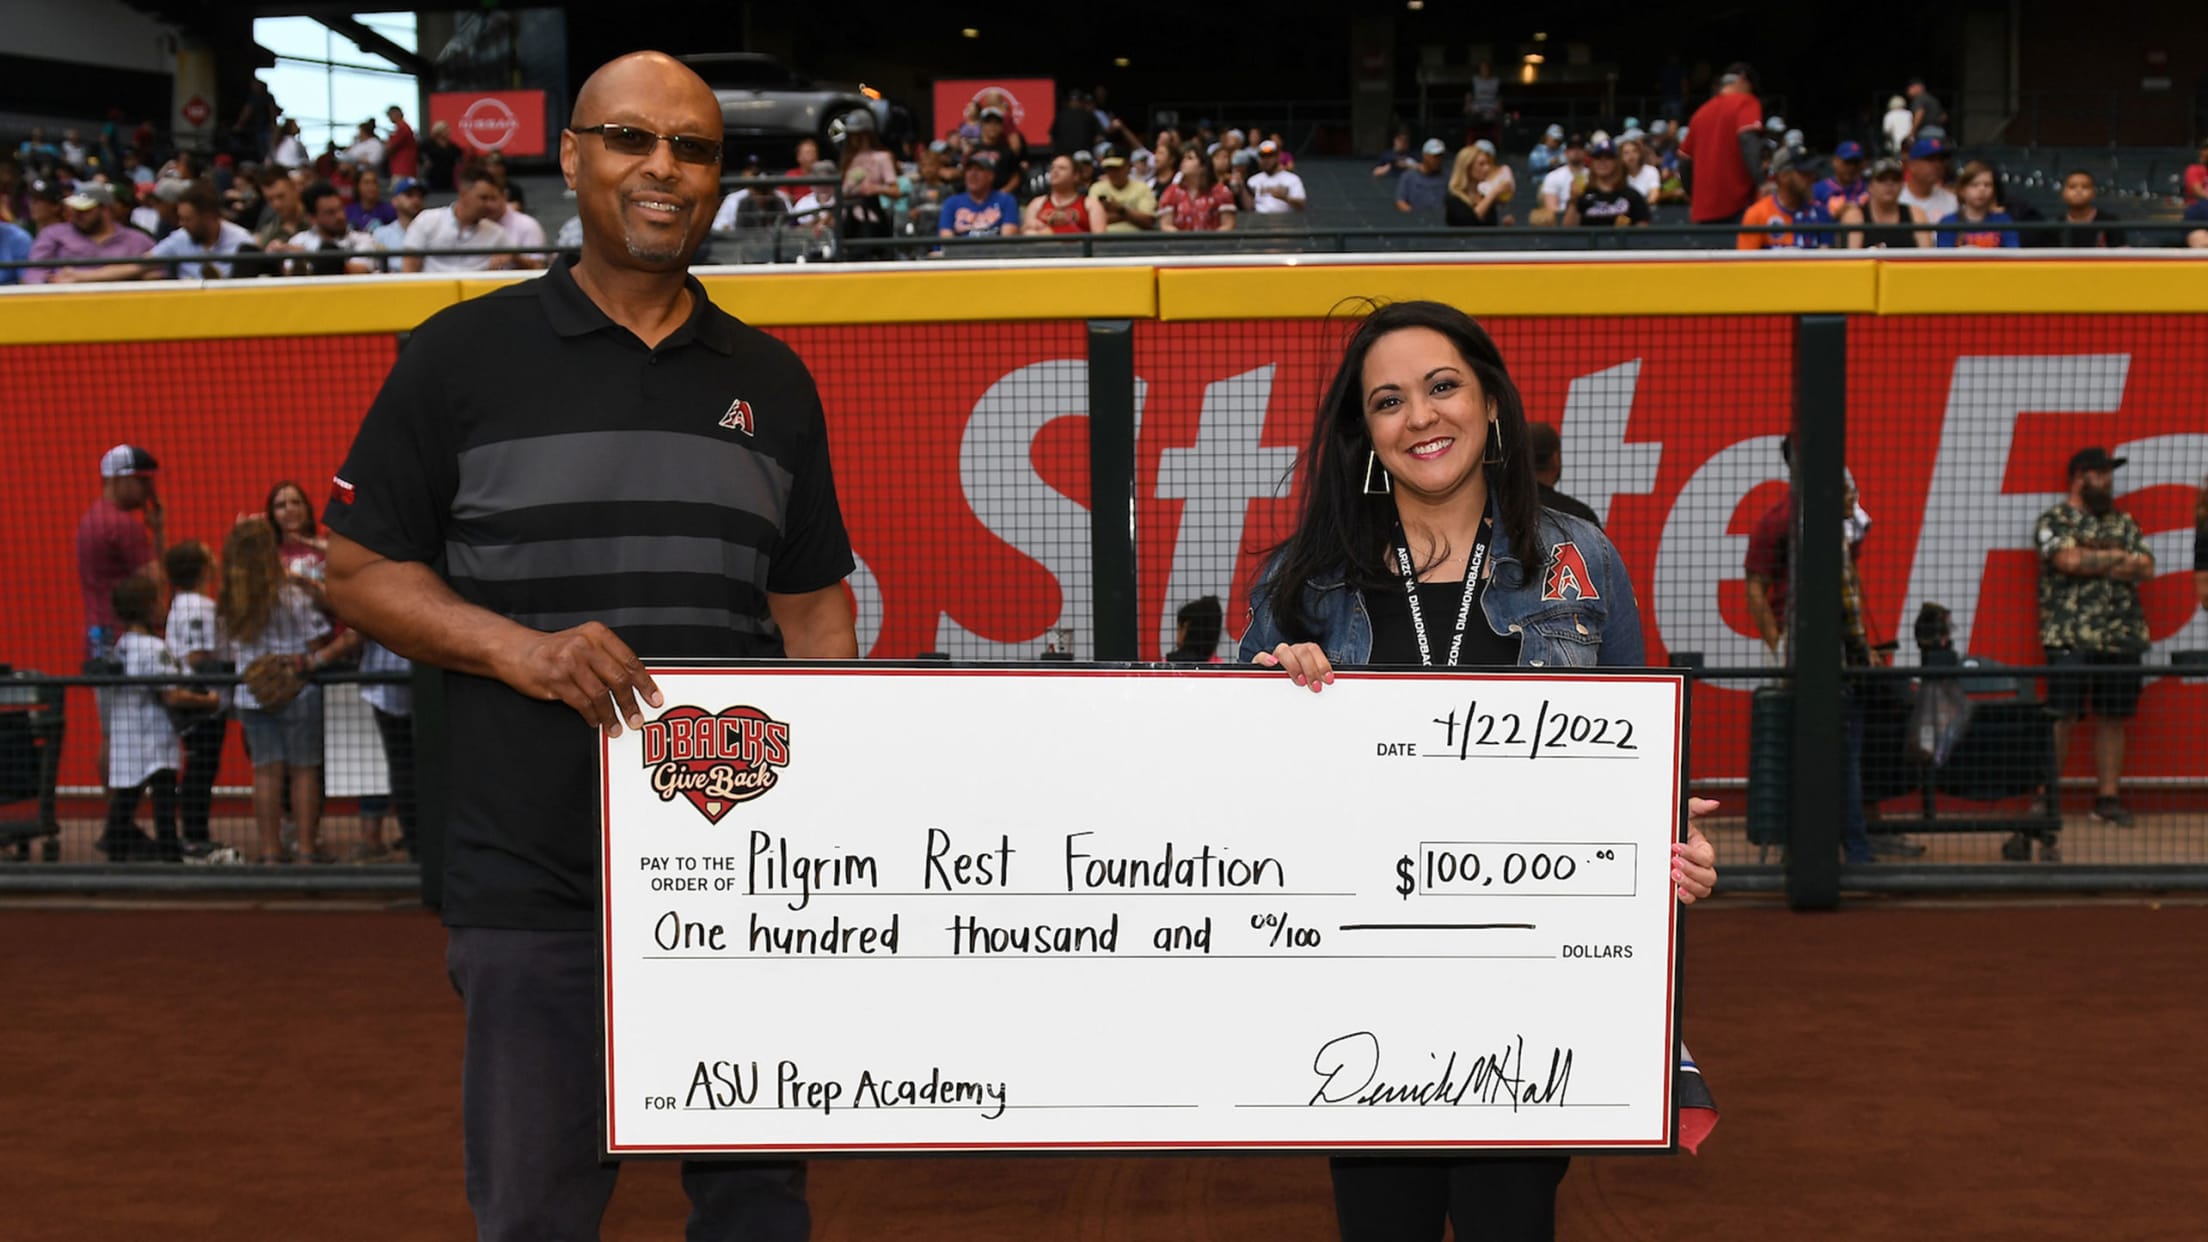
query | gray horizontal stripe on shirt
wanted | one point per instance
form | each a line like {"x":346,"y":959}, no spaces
{"x":612,"y":554}
{"x":621,"y":618}
{"x":597,"y":466}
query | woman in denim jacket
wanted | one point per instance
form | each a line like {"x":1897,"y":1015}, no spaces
{"x":1418,"y":492}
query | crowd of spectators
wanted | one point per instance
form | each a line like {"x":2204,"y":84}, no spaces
{"x":157,"y":611}
{"x":153,"y":215}
{"x":1731,"y":164}
{"x":124,"y":210}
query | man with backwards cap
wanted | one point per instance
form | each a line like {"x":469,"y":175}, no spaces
{"x":513,"y":525}
{"x":2092,"y":558}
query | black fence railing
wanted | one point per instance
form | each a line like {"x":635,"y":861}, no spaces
{"x":778,"y":241}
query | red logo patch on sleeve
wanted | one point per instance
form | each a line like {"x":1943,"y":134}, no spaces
{"x":1568,"y":572}
{"x":341,"y":492}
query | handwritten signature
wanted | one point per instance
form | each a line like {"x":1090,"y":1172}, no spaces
{"x":1349,"y":1070}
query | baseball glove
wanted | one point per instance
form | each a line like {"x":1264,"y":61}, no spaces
{"x":274,"y":680}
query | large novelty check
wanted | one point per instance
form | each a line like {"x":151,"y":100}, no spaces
{"x":871,"y":908}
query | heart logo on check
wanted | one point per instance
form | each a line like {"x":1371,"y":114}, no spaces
{"x":715,"y":759}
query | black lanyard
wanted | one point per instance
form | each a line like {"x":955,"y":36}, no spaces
{"x":1464,"y":609}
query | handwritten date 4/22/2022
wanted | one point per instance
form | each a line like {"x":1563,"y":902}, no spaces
{"x":1500,"y":733}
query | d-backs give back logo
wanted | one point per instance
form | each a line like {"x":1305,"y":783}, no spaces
{"x":716,"y":761}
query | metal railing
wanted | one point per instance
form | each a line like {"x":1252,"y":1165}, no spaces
{"x":775,"y":242}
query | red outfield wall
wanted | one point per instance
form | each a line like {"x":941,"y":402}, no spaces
{"x":961,"y":453}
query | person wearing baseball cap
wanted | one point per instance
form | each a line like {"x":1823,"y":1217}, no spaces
{"x":1845,"y":186}
{"x":1887,"y":222}
{"x":1548,"y":153}
{"x":1607,"y":201}
{"x":1927,"y":179}
{"x":1424,"y":189}
{"x":407,"y":200}
{"x":1776,"y":220}
{"x":1006,"y":144}
{"x":1276,"y":191}
{"x":983,"y":209}
{"x":92,"y":234}
{"x":120,"y":535}
{"x":1129,"y":202}
{"x":2092,"y":558}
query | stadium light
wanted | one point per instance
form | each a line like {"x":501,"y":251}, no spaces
{"x":970,"y":32}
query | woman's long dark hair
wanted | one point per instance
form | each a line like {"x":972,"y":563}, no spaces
{"x":1342,"y":530}
{"x":268,"y":510}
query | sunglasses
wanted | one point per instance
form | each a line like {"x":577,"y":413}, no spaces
{"x":629,"y":140}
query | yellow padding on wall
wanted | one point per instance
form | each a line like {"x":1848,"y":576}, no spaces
{"x":2052,"y":287}
{"x":925,"y":293}
{"x":164,"y":311}
{"x":1682,"y":287}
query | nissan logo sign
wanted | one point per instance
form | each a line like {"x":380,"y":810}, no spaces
{"x":489,"y":124}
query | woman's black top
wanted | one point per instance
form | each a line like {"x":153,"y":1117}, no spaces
{"x":1395,"y":642}
{"x":1902,"y":236}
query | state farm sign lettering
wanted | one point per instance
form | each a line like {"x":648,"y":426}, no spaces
{"x":970,"y":511}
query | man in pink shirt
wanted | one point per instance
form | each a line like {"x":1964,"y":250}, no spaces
{"x":112,"y":543}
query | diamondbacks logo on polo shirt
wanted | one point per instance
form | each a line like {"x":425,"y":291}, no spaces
{"x":738,"y":416}
{"x":716,"y":760}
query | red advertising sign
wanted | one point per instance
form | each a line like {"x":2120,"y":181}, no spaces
{"x":511,"y":123}
{"x":969,"y":505}
{"x":1029,"y":104}
{"x":196,"y":110}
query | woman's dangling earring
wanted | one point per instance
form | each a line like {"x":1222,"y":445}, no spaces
{"x":1494,"y":444}
{"x":1378,"y":482}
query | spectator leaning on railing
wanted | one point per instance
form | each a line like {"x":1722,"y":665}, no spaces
{"x":468,"y":223}
{"x":1062,"y":207}
{"x":1927,"y":179}
{"x":1889,"y":223}
{"x":406,"y":204}
{"x":1777,"y":220}
{"x":329,"y":245}
{"x":1606,"y":201}
{"x":201,"y":232}
{"x":1975,"y":190}
{"x":983,"y":210}
{"x":1197,"y":203}
{"x":2081,"y":211}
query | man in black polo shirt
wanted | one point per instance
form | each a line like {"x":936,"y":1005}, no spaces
{"x":557,"y":479}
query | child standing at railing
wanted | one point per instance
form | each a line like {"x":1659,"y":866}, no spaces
{"x":272,"y":621}
{"x":141,"y":741}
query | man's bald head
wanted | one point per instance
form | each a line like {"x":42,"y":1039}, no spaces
{"x":638,"y":78}
{"x":641,"y":207}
